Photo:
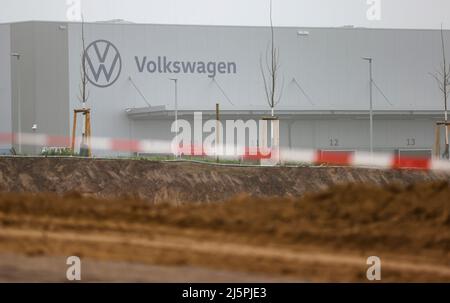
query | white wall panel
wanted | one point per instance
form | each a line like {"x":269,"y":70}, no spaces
{"x":5,"y":82}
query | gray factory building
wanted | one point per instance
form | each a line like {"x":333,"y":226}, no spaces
{"x":325,"y":82}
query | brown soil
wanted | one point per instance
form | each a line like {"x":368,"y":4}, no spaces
{"x":325,"y":236}
{"x":22,"y":268}
{"x":182,"y":182}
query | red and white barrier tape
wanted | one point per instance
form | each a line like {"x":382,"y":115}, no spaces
{"x":357,"y":159}
{"x":364,"y":159}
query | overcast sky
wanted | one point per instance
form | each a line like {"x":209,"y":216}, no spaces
{"x":367,"y":13}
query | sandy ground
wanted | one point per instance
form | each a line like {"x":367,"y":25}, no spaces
{"x":21,"y":268}
{"x":228,"y":262}
{"x":325,"y":236}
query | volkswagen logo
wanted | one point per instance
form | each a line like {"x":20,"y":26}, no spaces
{"x":103,"y":63}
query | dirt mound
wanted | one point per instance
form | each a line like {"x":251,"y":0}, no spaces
{"x":407,"y":223}
{"x":308,"y":223}
{"x":410,"y":218}
{"x":181,"y":182}
{"x":414,"y":217}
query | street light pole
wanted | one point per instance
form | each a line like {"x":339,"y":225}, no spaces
{"x":19,"y":109}
{"x":176,"y":106}
{"x":370,"y":60}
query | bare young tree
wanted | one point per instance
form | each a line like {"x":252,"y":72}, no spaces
{"x":270,"y":71}
{"x":442,"y":77}
{"x":84,"y":90}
